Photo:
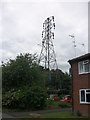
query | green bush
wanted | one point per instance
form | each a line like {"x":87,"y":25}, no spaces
{"x":12,"y":98}
{"x":28,"y":98}
{"x":35,"y":98}
{"x":64,"y":104}
{"x":52,"y":103}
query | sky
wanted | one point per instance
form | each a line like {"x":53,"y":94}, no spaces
{"x":22,"y":25}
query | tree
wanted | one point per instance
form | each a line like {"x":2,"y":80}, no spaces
{"x":59,"y":81}
{"x":23,"y":85}
{"x":25,"y":82}
{"x":22,"y":71}
{"x":66,"y":83}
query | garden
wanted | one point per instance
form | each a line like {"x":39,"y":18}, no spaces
{"x":25,"y":86}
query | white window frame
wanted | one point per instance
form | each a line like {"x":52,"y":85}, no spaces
{"x":83,"y":70}
{"x":85,"y":90}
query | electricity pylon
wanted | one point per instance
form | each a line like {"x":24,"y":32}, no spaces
{"x":47,"y":55}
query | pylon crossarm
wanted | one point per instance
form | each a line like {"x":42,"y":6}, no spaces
{"x":47,"y":54}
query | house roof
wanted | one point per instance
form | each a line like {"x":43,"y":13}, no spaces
{"x":80,"y":58}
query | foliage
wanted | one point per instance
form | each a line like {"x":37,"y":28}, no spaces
{"x":64,"y":104}
{"x":52,"y":104}
{"x":24,"y":70}
{"x":24,"y":82}
{"x":29,"y":98}
{"x":37,"y":97}
{"x":66,"y":84}
{"x":60,"y":81}
{"x":58,"y":104}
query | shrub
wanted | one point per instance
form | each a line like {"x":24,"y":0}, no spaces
{"x":34,"y":98}
{"x":12,"y":98}
{"x":50,"y":102}
{"x":28,"y":98}
{"x":64,"y":104}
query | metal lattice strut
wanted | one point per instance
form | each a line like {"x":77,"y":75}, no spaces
{"x":47,"y":55}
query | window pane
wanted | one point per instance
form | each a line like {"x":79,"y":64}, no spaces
{"x":87,"y":97}
{"x":86,"y":61}
{"x":87,"y":90}
{"x":82,"y":96}
{"x":89,"y":66}
{"x":86,"y":67}
{"x":81,"y":67}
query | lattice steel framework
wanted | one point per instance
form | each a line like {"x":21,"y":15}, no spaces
{"x":47,"y":55}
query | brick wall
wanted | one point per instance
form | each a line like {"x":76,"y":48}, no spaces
{"x":80,"y":82}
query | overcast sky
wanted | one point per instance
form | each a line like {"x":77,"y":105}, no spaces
{"x":22,"y":28}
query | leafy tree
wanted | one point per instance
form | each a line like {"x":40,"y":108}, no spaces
{"x":25,"y":82}
{"x":66,"y":84}
{"x":24,"y":70}
{"x":60,"y":81}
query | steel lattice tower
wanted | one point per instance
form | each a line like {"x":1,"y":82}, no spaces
{"x":47,"y":55}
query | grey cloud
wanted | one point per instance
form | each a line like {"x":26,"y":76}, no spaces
{"x":22,"y":27}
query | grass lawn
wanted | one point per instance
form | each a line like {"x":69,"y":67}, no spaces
{"x":60,"y":115}
{"x":50,"y":105}
{"x":54,"y":115}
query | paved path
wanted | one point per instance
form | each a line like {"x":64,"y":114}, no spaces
{"x":23,"y":114}
{"x":5,"y":115}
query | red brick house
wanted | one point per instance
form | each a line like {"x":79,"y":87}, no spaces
{"x":80,"y":70}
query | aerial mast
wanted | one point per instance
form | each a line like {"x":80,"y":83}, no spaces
{"x":74,"y":42}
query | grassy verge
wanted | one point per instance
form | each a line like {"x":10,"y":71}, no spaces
{"x":58,"y":115}
{"x":53,"y":115}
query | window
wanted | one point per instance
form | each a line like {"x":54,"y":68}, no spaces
{"x":85,"y":96}
{"x":82,"y":95}
{"x":84,"y":66}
